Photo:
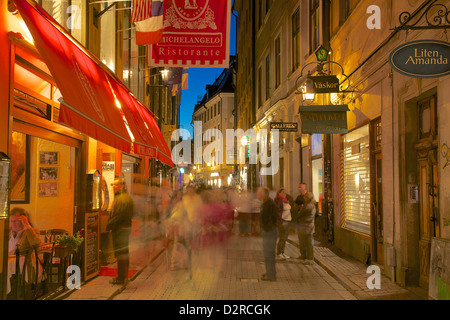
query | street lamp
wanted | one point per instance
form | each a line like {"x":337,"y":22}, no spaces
{"x":308,"y":91}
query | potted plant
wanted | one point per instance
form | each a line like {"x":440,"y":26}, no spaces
{"x":66,"y":244}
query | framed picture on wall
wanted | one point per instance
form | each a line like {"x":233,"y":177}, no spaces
{"x":48,"y":173}
{"x":48,"y":189}
{"x":20,"y":168}
{"x":48,"y":158}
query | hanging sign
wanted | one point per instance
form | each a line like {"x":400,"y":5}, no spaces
{"x":422,"y":59}
{"x":325,"y":119}
{"x":284,"y":126}
{"x":196,"y":34}
{"x":325,"y":84}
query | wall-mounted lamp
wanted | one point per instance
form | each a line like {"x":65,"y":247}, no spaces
{"x":164,"y":74}
{"x":308,"y":94}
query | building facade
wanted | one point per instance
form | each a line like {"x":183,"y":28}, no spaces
{"x":212,"y":117}
{"x":53,"y":165}
{"x":382,"y":185}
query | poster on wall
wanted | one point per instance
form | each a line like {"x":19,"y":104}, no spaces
{"x":196,"y":34}
{"x":48,"y":158}
{"x":108,"y":173}
{"x":48,"y":189}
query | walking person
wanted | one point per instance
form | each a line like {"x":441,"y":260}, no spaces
{"x":119,"y":223}
{"x":284,"y":220}
{"x":306,"y":228}
{"x":269,"y":232}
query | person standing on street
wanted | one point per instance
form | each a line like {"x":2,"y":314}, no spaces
{"x":306,"y":228}
{"x":284,"y":220}
{"x":298,"y":204}
{"x":269,"y":232}
{"x":119,"y":223}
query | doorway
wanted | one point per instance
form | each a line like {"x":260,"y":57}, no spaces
{"x":377,"y":194}
{"x":427,"y":167}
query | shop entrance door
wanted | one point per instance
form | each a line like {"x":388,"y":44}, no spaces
{"x":377,"y":204}
{"x":427,"y":159}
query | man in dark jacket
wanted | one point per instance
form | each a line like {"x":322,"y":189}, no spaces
{"x":299,"y":202}
{"x":119,"y":223}
{"x":269,"y":232}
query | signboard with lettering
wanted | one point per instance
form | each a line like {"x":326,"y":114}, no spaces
{"x":196,"y":34}
{"x":325,"y":119}
{"x":284,"y":126}
{"x":422,"y":59}
{"x":91,"y":243}
{"x":325,"y":84}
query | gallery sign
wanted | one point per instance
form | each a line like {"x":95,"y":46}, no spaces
{"x":196,"y":34}
{"x":284,"y":126}
{"x":422,"y":59}
{"x":325,"y":119}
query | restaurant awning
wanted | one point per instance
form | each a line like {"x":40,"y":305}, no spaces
{"x":95,"y":102}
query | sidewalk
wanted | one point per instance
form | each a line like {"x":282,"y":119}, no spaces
{"x":352,"y":274}
{"x":99,"y":288}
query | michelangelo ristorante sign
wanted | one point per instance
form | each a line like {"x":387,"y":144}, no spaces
{"x":422,"y":59}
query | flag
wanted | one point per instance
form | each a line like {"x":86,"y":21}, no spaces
{"x":174,"y":76}
{"x":184,"y":79}
{"x":147,"y":16}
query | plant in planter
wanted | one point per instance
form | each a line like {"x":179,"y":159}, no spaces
{"x":71,"y":242}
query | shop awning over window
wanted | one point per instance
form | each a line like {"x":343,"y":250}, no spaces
{"x":95,"y":102}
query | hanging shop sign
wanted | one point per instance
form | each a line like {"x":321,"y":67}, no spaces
{"x":325,"y":119}
{"x":196,"y":34}
{"x":284,"y":126}
{"x":422,"y":59}
{"x":325,"y":84}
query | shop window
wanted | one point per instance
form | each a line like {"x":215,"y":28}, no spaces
{"x":356,"y":180}
{"x":20,"y":168}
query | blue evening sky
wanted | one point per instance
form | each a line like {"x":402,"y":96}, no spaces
{"x":198,"y":79}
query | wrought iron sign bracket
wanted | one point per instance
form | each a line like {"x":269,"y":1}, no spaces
{"x":322,"y":70}
{"x":436,"y":16}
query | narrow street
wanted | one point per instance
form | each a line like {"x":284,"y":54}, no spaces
{"x":232,"y":272}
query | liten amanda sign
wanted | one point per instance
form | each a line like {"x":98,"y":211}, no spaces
{"x":422,"y":59}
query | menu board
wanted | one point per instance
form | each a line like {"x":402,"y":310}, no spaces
{"x":91,"y":242}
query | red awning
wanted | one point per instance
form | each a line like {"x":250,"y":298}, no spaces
{"x":95,"y":102}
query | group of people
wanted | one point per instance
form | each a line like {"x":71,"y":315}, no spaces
{"x":275,"y":221}
{"x":198,"y":216}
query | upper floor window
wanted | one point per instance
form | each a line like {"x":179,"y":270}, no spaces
{"x":260,"y":96}
{"x":277,"y":62}
{"x":268,"y":76}
{"x":296,"y":40}
{"x":314,"y":27}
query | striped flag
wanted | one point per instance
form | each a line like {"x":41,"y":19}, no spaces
{"x":184,"y":79}
{"x":147,"y":15}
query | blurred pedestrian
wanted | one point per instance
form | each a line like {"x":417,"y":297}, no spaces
{"x":119,"y":223}
{"x":298,"y":204}
{"x":269,"y":233}
{"x":284,"y":220}
{"x":306,"y":228}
